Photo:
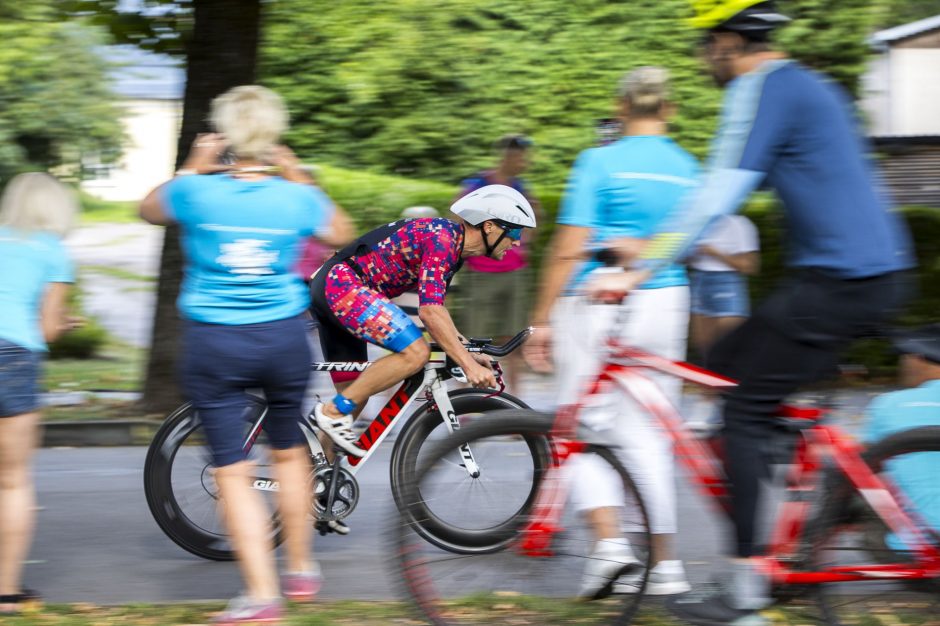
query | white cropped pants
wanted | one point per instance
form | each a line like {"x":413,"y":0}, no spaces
{"x":656,"y":321}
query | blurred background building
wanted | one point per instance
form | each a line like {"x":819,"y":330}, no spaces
{"x":900,"y":92}
{"x":150,"y":88}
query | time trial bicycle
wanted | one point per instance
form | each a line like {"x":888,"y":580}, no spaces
{"x":178,"y":471}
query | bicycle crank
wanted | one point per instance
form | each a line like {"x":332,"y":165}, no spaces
{"x":335,"y":493}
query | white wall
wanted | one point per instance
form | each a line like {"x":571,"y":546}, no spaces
{"x":915,"y":91}
{"x":152,"y":128}
{"x":875,"y":101}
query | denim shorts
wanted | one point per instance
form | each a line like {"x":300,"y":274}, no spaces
{"x":220,"y":362}
{"x":719,"y":294}
{"x":19,"y":379}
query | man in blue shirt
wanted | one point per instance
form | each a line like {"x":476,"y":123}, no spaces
{"x":792,"y":130}
{"x":916,"y":406}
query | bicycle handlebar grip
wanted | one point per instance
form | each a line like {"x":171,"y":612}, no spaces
{"x":510,"y":345}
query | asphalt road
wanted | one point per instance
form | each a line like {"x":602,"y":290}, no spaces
{"x":97,"y":542}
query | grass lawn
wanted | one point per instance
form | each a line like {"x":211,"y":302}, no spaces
{"x":118,"y":367}
{"x":348,"y":613}
{"x":95,"y":211}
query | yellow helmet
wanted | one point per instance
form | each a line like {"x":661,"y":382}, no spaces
{"x":712,"y":13}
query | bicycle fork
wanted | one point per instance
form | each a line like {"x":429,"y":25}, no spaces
{"x":446,"y":409}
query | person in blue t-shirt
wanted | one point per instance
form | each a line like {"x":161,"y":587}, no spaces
{"x":918,"y":405}
{"x":36,"y":212}
{"x":792,"y":130}
{"x":242,"y":226}
{"x":617,"y":196}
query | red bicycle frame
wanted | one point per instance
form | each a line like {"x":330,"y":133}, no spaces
{"x":625,"y":368}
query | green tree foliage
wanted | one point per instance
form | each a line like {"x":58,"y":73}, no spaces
{"x":903,"y":11}
{"x":422,"y":87}
{"x":158,"y":25}
{"x":832,"y":36}
{"x":55,"y":104}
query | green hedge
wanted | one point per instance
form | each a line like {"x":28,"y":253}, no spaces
{"x":83,"y":342}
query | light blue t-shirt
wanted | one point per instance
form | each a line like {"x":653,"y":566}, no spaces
{"x":241,"y":240}
{"x":916,"y":475}
{"x":28,"y":262}
{"x":627,"y":189}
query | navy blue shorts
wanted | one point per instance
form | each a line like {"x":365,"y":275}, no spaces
{"x":19,"y":379}
{"x":219,"y":362}
{"x":719,"y":294}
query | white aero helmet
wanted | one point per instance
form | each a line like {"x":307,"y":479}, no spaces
{"x":498,"y":203}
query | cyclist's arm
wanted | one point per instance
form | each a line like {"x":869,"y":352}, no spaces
{"x":440,"y":259}
{"x":439,"y":324}
{"x":752,"y":132}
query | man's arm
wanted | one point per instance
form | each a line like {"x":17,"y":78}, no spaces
{"x":752,"y":131}
{"x":440,"y":326}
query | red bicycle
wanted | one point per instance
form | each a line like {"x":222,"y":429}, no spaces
{"x":848,"y":546}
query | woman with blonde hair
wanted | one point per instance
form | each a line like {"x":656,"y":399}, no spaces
{"x":617,"y":196}
{"x":242,"y":226}
{"x":36,"y":212}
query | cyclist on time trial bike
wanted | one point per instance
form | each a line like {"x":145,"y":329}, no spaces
{"x":352,"y":291}
{"x":791,"y":129}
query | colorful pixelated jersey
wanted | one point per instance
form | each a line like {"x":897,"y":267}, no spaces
{"x":409,"y":255}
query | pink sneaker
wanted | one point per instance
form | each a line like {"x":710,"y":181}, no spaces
{"x":302,"y":586}
{"x":245,"y":610}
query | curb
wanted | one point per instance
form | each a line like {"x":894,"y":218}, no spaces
{"x":98,"y":433}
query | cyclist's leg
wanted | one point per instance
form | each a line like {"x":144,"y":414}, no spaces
{"x":793,"y":338}
{"x":372,"y":317}
{"x":770,"y":367}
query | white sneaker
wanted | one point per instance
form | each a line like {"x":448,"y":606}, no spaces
{"x":667,"y":578}
{"x":611,"y":559}
{"x":339,"y":429}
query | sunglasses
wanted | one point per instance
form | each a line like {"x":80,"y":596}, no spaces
{"x":513,"y":233}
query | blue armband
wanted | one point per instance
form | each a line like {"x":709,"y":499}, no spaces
{"x":343,"y":404}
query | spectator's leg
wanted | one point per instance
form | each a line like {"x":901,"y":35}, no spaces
{"x":18,"y":436}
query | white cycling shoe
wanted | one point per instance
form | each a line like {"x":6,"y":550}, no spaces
{"x":339,"y":429}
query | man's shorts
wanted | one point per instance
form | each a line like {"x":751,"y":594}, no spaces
{"x":351,"y":313}
{"x":719,"y":294}
{"x":19,"y":379}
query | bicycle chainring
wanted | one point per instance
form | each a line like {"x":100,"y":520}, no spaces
{"x":345,"y":500}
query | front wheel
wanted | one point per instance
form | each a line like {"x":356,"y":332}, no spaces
{"x":849,"y":532}
{"x":426,"y":428}
{"x":530,"y":576}
{"x":180,"y":487}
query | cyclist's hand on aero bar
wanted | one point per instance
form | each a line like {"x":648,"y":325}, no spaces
{"x":480,"y":375}
{"x":537,"y":351}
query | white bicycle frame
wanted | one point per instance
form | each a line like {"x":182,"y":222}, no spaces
{"x":392,"y":413}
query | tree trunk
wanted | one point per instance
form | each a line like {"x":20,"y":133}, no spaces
{"x":222,"y":54}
